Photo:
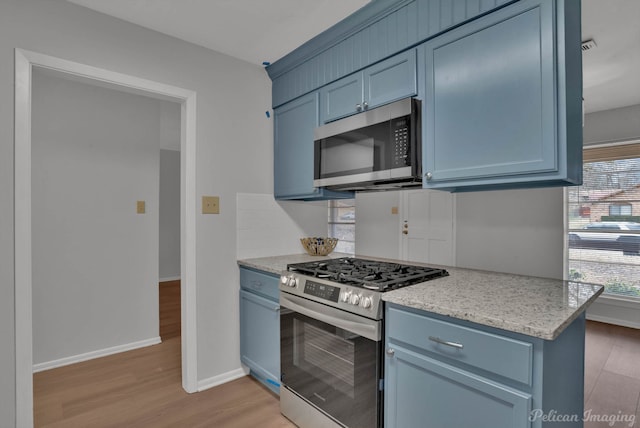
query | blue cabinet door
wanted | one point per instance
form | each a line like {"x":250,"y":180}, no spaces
{"x":381,"y":83}
{"x":342,"y":98}
{"x":500,"y":100}
{"x":424,"y":392}
{"x":260,"y":338}
{"x":391,"y":80}
{"x":293,"y":163}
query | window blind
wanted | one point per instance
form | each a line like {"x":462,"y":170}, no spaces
{"x":342,"y":224}
{"x":604,"y":220}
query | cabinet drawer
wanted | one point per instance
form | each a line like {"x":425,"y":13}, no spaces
{"x":261,"y":283}
{"x":500,"y":355}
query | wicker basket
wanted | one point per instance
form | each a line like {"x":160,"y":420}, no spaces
{"x":319,"y":246}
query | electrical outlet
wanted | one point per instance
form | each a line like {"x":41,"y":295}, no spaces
{"x":140,"y":207}
{"x":394,"y":210}
{"x":210,"y":205}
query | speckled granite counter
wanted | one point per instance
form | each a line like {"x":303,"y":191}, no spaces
{"x":277,"y":264}
{"x":533,"y":306}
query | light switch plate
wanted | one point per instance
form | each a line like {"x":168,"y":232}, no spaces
{"x":210,"y":205}
{"x":140,"y":207}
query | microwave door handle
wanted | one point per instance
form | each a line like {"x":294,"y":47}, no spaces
{"x":336,"y":317}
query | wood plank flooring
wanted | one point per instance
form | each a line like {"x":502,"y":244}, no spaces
{"x":169,"y":302}
{"x":142,"y":388}
{"x":612,"y":375}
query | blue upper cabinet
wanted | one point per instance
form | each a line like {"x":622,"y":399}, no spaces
{"x":342,"y":98}
{"x":379,"y":30}
{"x":379,"y":84}
{"x":503,"y":100}
{"x":500,"y":83}
{"x":294,"y":123}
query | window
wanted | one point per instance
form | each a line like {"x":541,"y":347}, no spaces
{"x":342,"y":224}
{"x":620,"y":209}
{"x":604,"y":220}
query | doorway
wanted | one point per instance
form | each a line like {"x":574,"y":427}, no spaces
{"x":427,"y":227}
{"x":25,"y":61}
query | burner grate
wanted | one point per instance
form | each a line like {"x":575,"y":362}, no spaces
{"x":369,"y":274}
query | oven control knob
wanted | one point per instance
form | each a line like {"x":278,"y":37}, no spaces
{"x":346,"y":295}
{"x":284,"y":280}
{"x":292,"y":282}
{"x":355,"y":299}
{"x":367,"y":302}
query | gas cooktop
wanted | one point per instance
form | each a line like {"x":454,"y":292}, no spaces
{"x":369,"y":274}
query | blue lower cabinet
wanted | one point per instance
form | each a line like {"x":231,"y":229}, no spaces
{"x":424,"y":392}
{"x":260,"y":336}
{"x":441,"y":372}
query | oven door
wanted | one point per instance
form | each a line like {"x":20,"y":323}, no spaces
{"x":332,"y":359}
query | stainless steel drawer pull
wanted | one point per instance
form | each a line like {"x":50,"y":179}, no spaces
{"x":444,"y":342}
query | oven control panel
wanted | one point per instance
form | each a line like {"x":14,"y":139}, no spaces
{"x":348,"y":298}
{"x":324,"y":291}
{"x":355,"y":298}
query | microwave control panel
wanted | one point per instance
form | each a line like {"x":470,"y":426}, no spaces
{"x":401,"y":152}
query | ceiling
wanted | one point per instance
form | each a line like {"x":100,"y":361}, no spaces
{"x":252,"y":30}
{"x":261,"y":30}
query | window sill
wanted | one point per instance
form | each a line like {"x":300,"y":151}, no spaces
{"x":615,"y":310}
{"x":625,"y":301}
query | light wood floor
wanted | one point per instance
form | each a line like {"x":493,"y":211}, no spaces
{"x":612,"y":373}
{"x":169,"y":306}
{"x":142,"y":388}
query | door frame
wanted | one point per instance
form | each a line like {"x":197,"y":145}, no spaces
{"x":25,"y":61}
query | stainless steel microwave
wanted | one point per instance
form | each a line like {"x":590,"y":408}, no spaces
{"x":378,"y":149}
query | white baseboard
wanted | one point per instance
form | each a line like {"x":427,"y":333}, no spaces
{"x":615,"y":310}
{"x":95,"y":354}
{"x":614,"y":321}
{"x":169,"y":278}
{"x":220,"y":379}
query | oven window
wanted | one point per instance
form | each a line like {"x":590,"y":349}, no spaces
{"x":331,"y":368}
{"x":316,"y":349}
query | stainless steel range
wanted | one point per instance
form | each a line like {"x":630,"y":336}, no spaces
{"x":331,"y":338}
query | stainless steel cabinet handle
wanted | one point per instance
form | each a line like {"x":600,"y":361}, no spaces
{"x":447,"y":343}
{"x":365,"y":105}
{"x":358,"y":107}
{"x":277,"y":309}
{"x":428,"y":176}
{"x":390,"y":351}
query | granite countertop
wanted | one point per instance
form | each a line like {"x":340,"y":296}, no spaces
{"x":538,"y":307}
{"x":277,"y":264}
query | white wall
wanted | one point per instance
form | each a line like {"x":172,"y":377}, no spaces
{"x":515,"y":231}
{"x":169,"y":214}
{"x":620,"y":124}
{"x":234,"y":153}
{"x":95,"y":152}
{"x":267,"y":227}
{"x":377,"y":230}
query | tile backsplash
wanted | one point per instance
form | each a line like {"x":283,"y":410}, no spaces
{"x":266,"y":227}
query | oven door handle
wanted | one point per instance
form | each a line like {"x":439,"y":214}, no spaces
{"x":365,"y":327}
